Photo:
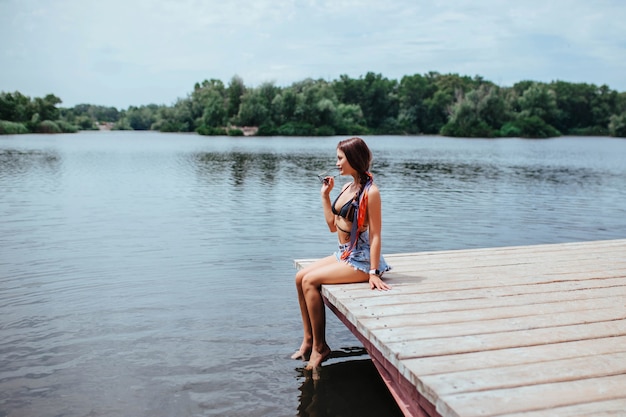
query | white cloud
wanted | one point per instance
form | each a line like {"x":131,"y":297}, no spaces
{"x":141,"y":51}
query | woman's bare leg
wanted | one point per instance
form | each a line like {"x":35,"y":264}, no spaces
{"x":325,"y":273}
{"x":307,"y":340}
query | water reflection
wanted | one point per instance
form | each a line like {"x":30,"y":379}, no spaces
{"x":346,"y":389}
{"x":15,"y":162}
{"x":443,"y":171}
{"x":559,"y":175}
{"x":265,"y":166}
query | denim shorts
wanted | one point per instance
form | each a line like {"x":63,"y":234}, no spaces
{"x":360,"y":256}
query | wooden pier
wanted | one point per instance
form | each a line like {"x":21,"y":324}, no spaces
{"x":523,"y":331}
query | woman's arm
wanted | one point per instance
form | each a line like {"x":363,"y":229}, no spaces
{"x":374,"y":210}
{"x":328,"y":213}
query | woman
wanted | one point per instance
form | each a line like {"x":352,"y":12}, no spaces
{"x":356,"y":217}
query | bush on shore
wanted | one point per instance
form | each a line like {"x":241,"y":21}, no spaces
{"x":12,"y":128}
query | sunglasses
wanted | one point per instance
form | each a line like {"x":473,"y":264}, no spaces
{"x":323,"y":177}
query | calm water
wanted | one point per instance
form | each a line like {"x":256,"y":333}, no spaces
{"x":146,"y":274}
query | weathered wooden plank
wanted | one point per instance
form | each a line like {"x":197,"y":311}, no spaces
{"x":430,"y":289}
{"x":417,"y":348}
{"x":595,"y":252}
{"x":609,"y":408}
{"x":600,"y":246}
{"x":512,"y":304}
{"x":505,"y":284}
{"x":514,"y":356}
{"x":534,"y":397}
{"x":473,"y":265}
{"x":513,"y":376}
{"x":530,"y":315}
{"x":587,"y":254}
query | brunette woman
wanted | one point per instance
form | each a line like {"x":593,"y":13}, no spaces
{"x":355,"y":215}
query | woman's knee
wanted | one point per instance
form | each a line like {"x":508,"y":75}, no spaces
{"x":303,"y":279}
{"x":309,"y":283}
{"x":299,"y":277}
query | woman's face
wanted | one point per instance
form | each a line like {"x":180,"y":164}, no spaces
{"x":343,"y":164}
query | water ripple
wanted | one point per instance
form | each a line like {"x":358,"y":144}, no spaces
{"x":148,"y":274}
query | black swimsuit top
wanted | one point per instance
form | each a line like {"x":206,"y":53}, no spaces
{"x":347,"y":210}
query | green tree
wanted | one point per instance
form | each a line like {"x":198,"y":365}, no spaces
{"x":479,"y":113}
{"x":85,"y":116}
{"x":573,"y":102}
{"x":350,"y":120}
{"x":141,"y":118}
{"x":204,"y":95}
{"x":183,"y":115}
{"x":316,"y":103}
{"x":376,"y":95}
{"x":539,"y":100}
{"x":584,"y":108}
{"x":603,"y":106}
{"x":46,"y":107}
{"x":252,"y":110}
{"x":84,"y":122}
{"x":617,"y":125}
{"x":236,"y":90}
{"x":214,"y":114}
{"x":7,"y":107}
{"x":443,"y":90}
{"x":412,"y":92}
{"x":537,"y":111}
{"x":16,"y":107}
{"x":283,"y":107}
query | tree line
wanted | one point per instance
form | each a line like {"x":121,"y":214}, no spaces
{"x":432,"y":103}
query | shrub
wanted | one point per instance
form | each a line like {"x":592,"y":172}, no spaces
{"x":85,"y":123}
{"x":352,"y":130}
{"x":66,"y":127}
{"x":296,"y":129}
{"x":235,"y":132}
{"x":267,"y":129}
{"x":535,"y":127}
{"x":170,"y":126}
{"x":471,"y":128}
{"x":122,"y":124}
{"x":589,"y":131}
{"x":390,"y":126}
{"x":510,"y":130}
{"x":12,"y":128}
{"x":210,"y":130}
{"x":617,"y":125}
{"x":48,"y":126}
{"x":325,"y":131}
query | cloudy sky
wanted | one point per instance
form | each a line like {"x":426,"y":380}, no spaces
{"x":133,"y":52}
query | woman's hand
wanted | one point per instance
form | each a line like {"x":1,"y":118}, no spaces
{"x":327,"y":185}
{"x":376,"y":283}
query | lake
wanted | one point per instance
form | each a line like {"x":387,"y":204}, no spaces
{"x":149,"y":274}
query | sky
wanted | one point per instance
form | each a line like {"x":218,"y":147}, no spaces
{"x":137,"y":52}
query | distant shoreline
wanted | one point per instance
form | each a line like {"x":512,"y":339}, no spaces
{"x":247,"y":130}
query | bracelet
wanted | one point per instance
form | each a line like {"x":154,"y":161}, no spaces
{"x":375,"y":272}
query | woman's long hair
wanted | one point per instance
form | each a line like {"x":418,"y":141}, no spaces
{"x":359,"y":157}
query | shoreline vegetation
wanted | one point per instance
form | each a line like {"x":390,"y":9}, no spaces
{"x":432,"y":103}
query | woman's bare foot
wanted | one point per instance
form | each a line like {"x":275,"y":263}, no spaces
{"x":318,"y":357}
{"x":302,"y":353}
